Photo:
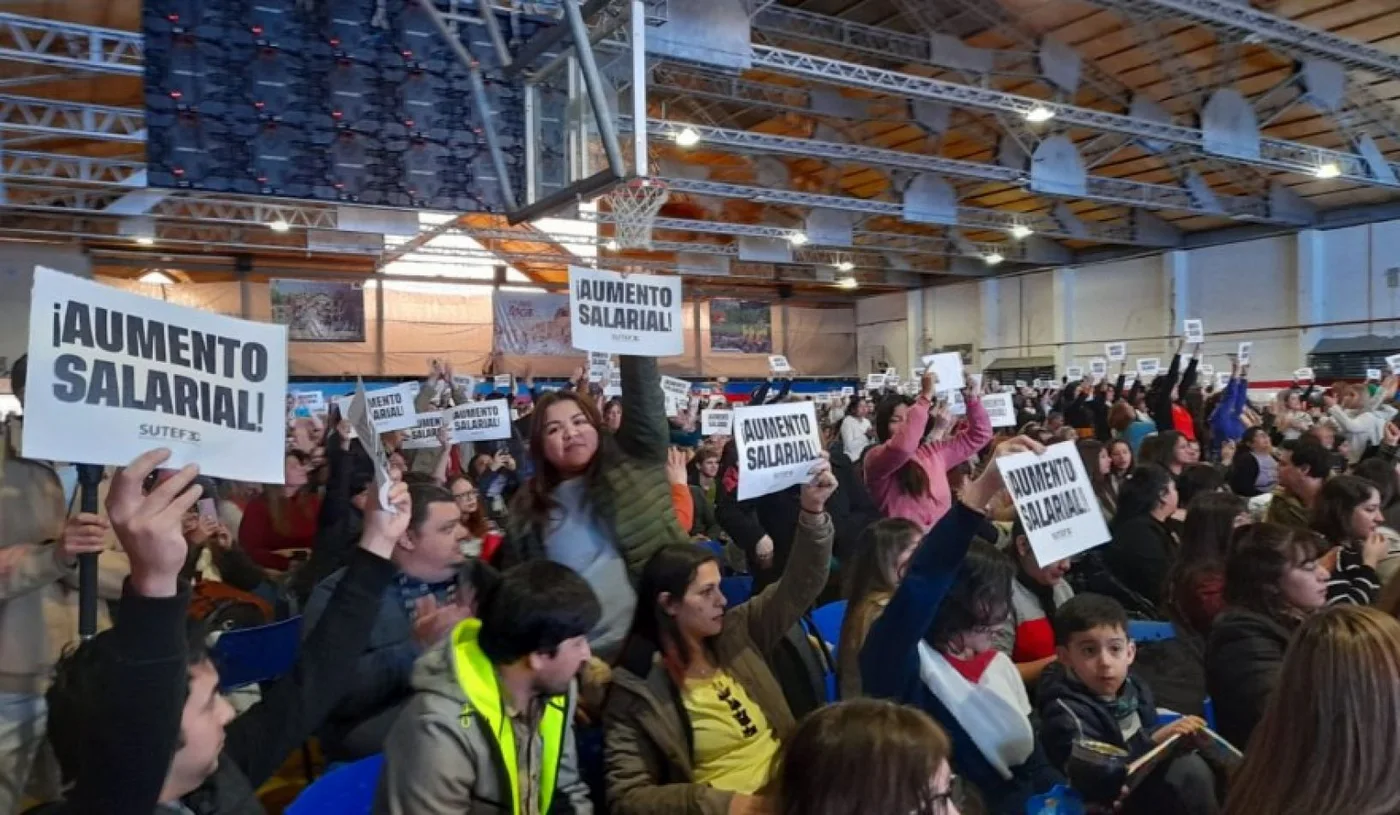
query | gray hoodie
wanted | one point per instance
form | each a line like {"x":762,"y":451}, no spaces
{"x":441,"y":755}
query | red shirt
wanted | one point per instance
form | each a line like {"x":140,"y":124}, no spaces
{"x":259,"y":537}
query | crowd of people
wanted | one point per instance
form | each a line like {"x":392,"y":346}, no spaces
{"x":541,"y":624}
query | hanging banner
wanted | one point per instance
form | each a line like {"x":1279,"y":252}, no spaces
{"x":487,"y":420}
{"x":319,"y":311}
{"x":531,"y":324}
{"x":1055,"y":502}
{"x":741,"y":326}
{"x":632,"y":314}
{"x":778,"y":446}
{"x":1000,"y":409}
{"x":716,"y":422}
{"x":114,"y":374}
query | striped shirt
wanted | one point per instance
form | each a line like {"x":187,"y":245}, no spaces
{"x":1352,"y":581}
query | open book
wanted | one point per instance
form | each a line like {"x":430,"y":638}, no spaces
{"x":1214,"y":749}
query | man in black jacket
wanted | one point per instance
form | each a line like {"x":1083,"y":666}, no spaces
{"x":136,"y":718}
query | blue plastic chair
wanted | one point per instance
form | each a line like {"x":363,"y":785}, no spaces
{"x":828,"y":620}
{"x":1150,"y":631}
{"x":248,"y":656}
{"x":346,"y":790}
{"x":737,"y":589}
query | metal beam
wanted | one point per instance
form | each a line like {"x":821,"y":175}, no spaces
{"x":1274,"y":154}
{"x":69,"y":45}
{"x":967,"y":217}
{"x":48,"y":198}
{"x":1099,"y":188}
{"x":1243,"y":23}
{"x":49,"y":117}
{"x":34,"y":166}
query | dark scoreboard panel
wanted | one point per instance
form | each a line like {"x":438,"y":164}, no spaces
{"x":351,"y":101}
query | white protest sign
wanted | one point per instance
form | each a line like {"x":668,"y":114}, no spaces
{"x":716,"y":422}
{"x":1149,"y":367}
{"x":1055,"y":501}
{"x":956,"y":404}
{"x":1373,"y":374}
{"x":357,"y":412}
{"x":1194,"y":330}
{"x":633,"y":314}
{"x":999,"y":409}
{"x":1129,"y":377}
{"x":598,"y":373}
{"x":1243,"y":354}
{"x":891,"y":373}
{"x":114,"y":374}
{"x":309,"y":403}
{"x":487,"y":420}
{"x":1303,"y":374}
{"x":599,"y":358}
{"x":948,"y":368}
{"x":1039,"y":383}
{"x":1020,"y":383}
{"x":1206,"y":370}
{"x":676,"y":388}
{"x":423,"y":435}
{"x":778,"y":446}
{"x":1098,"y":367}
{"x":414,"y":387}
{"x":1222,"y":378}
{"x":503,"y":382}
{"x":1394,"y":363}
{"x":1116,"y":351}
{"x":778,"y":364}
{"x":874,"y":382}
{"x":976,"y":381}
{"x":1074,"y":372}
{"x":392,"y":408}
{"x":848,"y":390}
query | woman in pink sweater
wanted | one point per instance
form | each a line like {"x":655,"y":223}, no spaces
{"x":908,"y":477}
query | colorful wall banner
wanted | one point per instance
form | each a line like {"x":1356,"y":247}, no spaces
{"x":741,"y":326}
{"x":319,"y":311}
{"x":531,"y":324}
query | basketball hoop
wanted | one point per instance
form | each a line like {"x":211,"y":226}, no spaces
{"x":635,"y":205}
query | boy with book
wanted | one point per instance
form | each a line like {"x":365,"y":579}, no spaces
{"x":1090,"y":693}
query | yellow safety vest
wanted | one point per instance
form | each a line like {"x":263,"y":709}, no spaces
{"x":477,"y":677}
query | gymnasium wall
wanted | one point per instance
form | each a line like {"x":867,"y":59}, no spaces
{"x":1280,"y":293}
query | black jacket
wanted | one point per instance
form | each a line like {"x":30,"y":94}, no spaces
{"x":850,"y":506}
{"x":1069,"y":711}
{"x":1244,"y":654}
{"x":128,"y":752}
{"x":1140,"y":555}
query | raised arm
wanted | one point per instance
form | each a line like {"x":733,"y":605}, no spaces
{"x":965,"y":445}
{"x":645,"y":434}
{"x":777,"y":609}
{"x":884,"y":460}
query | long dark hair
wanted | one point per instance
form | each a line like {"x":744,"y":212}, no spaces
{"x":911,"y":478}
{"x":536,"y":501}
{"x":1260,"y":556}
{"x":1205,"y":541}
{"x":981,"y":594}
{"x":670,"y":571}
{"x":1142,"y":492}
{"x":1340,"y":496}
{"x":1090,"y":450}
{"x":873,"y":572}
{"x":1382,"y":474}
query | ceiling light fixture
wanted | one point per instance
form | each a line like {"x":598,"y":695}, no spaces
{"x":280,"y":225}
{"x":155,"y":278}
{"x":1021,"y":231}
{"x":848,"y":283}
{"x":1039,"y":113}
{"x":687,"y":137}
{"x":145,"y":240}
{"x":611,"y":245}
{"x":845,"y":266}
{"x":993,"y":259}
{"x":798,"y":239}
{"x":1328,"y":170}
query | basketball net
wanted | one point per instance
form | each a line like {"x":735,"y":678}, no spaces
{"x":635,"y":206}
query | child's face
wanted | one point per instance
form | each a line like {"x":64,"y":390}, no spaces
{"x":1100,"y":658}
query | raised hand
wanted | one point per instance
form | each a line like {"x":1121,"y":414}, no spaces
{"x":816,"y":492}
{"x":149,"y":526}
{"x":382,"y":529}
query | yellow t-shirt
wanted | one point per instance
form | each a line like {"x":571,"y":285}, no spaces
{"x":734,"y":744}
